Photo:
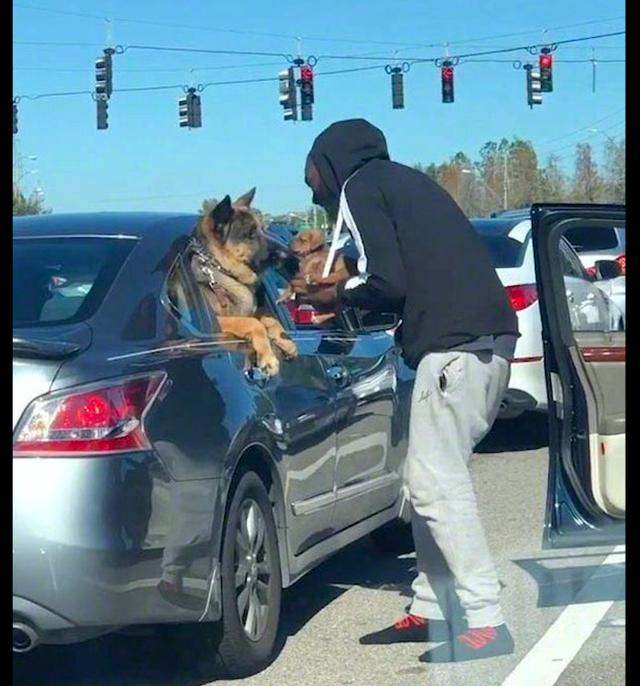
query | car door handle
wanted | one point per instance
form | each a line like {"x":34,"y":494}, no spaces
{"x":338,"y":373}
{"x":256,"y":376}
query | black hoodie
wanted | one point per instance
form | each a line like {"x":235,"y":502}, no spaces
{"x":419,"y":254}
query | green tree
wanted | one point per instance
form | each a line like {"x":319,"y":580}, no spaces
{"x":31,"y":204}
{"x":207,"y":205}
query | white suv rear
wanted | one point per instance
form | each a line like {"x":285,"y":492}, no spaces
{"x":509,"y":242}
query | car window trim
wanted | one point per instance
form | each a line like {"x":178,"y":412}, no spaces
{"x":179,"y":264}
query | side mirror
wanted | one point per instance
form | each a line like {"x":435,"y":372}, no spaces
{"x":607,"y":269}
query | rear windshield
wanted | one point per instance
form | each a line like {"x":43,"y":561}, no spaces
{"x":63,"y":280}
{"x":505,"y":252}
{"x":591,"y":238}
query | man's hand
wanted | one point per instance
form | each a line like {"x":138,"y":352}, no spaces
{"x":322,"y":297}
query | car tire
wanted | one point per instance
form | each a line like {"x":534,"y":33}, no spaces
{"x":394,"y":539}
{"x":251,"y":580}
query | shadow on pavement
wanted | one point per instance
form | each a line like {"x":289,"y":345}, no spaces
{"x":559,"y":585}
{"x":184,"y":655}
{"x":530,"y":431}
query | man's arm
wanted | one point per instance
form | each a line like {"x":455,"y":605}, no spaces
{"x":381,"y":284}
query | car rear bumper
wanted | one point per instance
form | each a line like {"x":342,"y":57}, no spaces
{"x":93,"y":537}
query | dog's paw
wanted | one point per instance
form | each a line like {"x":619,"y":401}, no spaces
{"x":269,"y":364}
{"x":288,"y":347}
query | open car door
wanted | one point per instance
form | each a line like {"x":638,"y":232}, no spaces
{"x":584,"y":360}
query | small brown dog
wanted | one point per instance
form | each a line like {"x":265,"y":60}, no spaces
{"x":311,"y":249}
{"x":229,"y":244}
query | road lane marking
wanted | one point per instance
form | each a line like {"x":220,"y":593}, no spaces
{"x":553,"y":653}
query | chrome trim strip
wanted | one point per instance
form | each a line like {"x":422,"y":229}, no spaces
{"x":362,"y":487}
{"x":313,"y":505}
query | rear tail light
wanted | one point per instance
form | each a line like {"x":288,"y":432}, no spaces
{"x":522,"y":296}
{"x":622,"y":262}
{"x":99,"y":419}
{"x":592,"y":272}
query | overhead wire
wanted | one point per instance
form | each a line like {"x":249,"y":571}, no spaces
{"x":467,"y":56}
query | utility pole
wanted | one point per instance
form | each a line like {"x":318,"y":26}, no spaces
{"x":505,"y":182}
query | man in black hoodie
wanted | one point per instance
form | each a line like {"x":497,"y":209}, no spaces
{"x":420,"y":257}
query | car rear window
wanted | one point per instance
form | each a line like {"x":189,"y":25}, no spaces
{"x":63,"y":280}
{"x":505,"y":252}
{"x":590,"y":238}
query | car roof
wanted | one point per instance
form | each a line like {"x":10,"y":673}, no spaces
{"x":498,"y":226}
{"x":143,"y":225}
{"x":521,"y":213}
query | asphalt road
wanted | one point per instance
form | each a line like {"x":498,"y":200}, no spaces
{"x":358,"y":591}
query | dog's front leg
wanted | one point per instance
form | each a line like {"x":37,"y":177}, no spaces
{"x":255,"y":332}
{"x":279,"y":336}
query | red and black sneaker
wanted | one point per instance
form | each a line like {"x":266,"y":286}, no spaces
{"x":473,"y":644}
{"x":411,"y":629}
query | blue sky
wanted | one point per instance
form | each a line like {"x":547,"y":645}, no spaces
{"x":145,"y":161}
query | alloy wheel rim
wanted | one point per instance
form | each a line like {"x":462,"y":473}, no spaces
{"x":252,"y":570}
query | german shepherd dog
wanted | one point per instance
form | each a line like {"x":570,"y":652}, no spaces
{"x":230,"y":251}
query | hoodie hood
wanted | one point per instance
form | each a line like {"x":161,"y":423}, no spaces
{"x":339,"y":151}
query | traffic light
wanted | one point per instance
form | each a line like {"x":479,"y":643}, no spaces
{"x":104,"y":73}
{"x":196,"y":111}
{"x":534,"y":86}
{"x":306,"y":92}
{"x":190,"y":110}
{"x":397,"y":88}
{"x":546,"y":70}
{"x":288,"y":96}
{"x":446,"y":73}
{"x":15,"y":116}
{"x":102,"y":105}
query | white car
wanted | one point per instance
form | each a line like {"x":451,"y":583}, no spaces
{"x":590,"y":307}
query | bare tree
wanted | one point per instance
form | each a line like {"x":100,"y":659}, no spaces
{"x":552,"y":182}
{"x":587,"y":183}
{"x":615,"y":171}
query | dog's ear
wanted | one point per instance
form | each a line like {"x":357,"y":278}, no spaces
{"x":215,"y":222}
{"x":246,"y":199}
{"x":222,"y":212}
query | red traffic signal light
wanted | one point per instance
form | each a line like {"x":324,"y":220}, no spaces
{"x":545,"y":62}
{"x":446,"y":74}
{"x":306,"y":92}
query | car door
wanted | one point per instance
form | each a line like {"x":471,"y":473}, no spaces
{"x":304,"y":421}
{"x":585,"y":376}
{"x":363,"y":361}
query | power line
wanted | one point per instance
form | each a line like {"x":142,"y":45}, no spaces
{"x":378,"y":58}
{"x":544,"y":143}
{"x":566,"y":41}
{"x":145,"y":70}
{"x":497,"y":61}
{"x":587,"y":138}
{"x":364,"y":57}
{"x":325,"y":39}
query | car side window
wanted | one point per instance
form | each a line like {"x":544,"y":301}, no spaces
{"x":571,"y":265}
{"x":183,"y":301}
{"x":292,"y":318}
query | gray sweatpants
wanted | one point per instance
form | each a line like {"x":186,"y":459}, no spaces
{"x":455,"y":401}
